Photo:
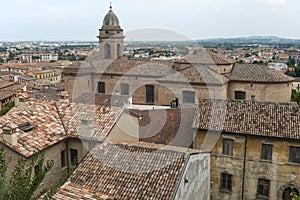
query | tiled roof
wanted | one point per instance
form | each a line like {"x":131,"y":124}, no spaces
{"x":6,"y":84}
{"x":6,"y":94}
{"x":70,"y":191}
{"x":127,"y":171}
{"x":280,"y":120}
{"x":50,"y":130}
{"x":257,"y":73}
{"x":207,"y":57}
{"x":102,"y":118}
{"x":195,"y":74}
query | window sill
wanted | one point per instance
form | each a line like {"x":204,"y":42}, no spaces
{"x":227,"y":156}
{"x":226,"y":191}
{"x":266,"y":161}
{"x":260,"y":197}
{"x":291,"y":163}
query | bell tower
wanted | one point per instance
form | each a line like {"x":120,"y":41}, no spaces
{"x":111,"y":38}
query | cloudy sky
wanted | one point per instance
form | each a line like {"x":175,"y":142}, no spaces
{"x":196,"y":19}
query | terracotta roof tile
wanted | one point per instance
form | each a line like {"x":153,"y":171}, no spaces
{"x":49,"y":129}
{"x":280,"y":120}
{"x":127,"y":171}
{"x":257,"y":73}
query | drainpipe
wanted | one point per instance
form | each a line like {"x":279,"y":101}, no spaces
{"x":244,"y":168}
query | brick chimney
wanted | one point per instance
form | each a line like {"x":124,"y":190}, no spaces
{"x":87,"y":127}
{"x":10,"y":134}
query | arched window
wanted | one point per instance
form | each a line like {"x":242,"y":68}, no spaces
{"x":118,"y":50}
{"x":107,"y":51}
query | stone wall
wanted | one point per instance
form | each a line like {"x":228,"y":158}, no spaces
{"x":280,"y":92}
{"x":279,"y":171}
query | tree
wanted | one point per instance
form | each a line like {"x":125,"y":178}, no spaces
{"x":291,"y":62}
{"x":295,"y":96}
{"x":7,"y":107}
{"x":27,"y":175}
{"x":290,"y":73}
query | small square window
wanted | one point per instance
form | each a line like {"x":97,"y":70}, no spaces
{"x":188,"y":97}
{"x":239,"y":95}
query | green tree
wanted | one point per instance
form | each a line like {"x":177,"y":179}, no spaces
{"x":295,"y":96}
{"x":291,"y":62}
{"x":290,"y":73}
{"x":27,"y":175}
{"x":7,"y":107}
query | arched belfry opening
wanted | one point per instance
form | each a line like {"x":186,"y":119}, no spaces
{"x":111,"y":38}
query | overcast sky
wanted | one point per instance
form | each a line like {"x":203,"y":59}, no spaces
{"x":196,"y":19}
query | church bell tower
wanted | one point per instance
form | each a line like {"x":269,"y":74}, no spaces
{"x":111,"y":38}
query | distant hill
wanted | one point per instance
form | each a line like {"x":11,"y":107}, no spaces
{"x":251,"y":40}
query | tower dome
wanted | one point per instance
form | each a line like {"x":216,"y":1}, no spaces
{"x":111,"y":20}
{"x":111,"y":38}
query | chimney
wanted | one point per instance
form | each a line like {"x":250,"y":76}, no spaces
{"x":64,"y":97}
{"x":87,"y":127}
{"x":20,"y":101}
{"x":10,"y":134}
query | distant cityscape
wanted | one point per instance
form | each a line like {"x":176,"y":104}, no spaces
{"x":160,"y":120}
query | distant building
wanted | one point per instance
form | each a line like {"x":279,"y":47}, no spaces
{"x":278,"y":66}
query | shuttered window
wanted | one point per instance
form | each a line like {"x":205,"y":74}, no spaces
{"x":266,"y":151}
{"x":124,"y":89}
{"x":188,"y":97}
{"x":294,"y":155}
{"x":228,"y":147}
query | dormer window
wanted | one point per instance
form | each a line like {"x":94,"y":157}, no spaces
{"x":27,"y":126}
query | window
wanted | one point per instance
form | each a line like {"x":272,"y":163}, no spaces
{"x":101,"y":87}
{"x":188,"y":97}
{"x":228,"y":147}
{"x":150,"y":93}
{"x":239,"y":95}
{"x":266,"y":151}
{"x":63,"y":158}
{"x":107,"y":51}
{"x":226,"y":182}
{"x":118,"y":50}
{"x":37,"y":169}
{"x":263,"y":188}
{"x":124,"y":89}
{"x":74,"y":156}
{"x":294,"y":155}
